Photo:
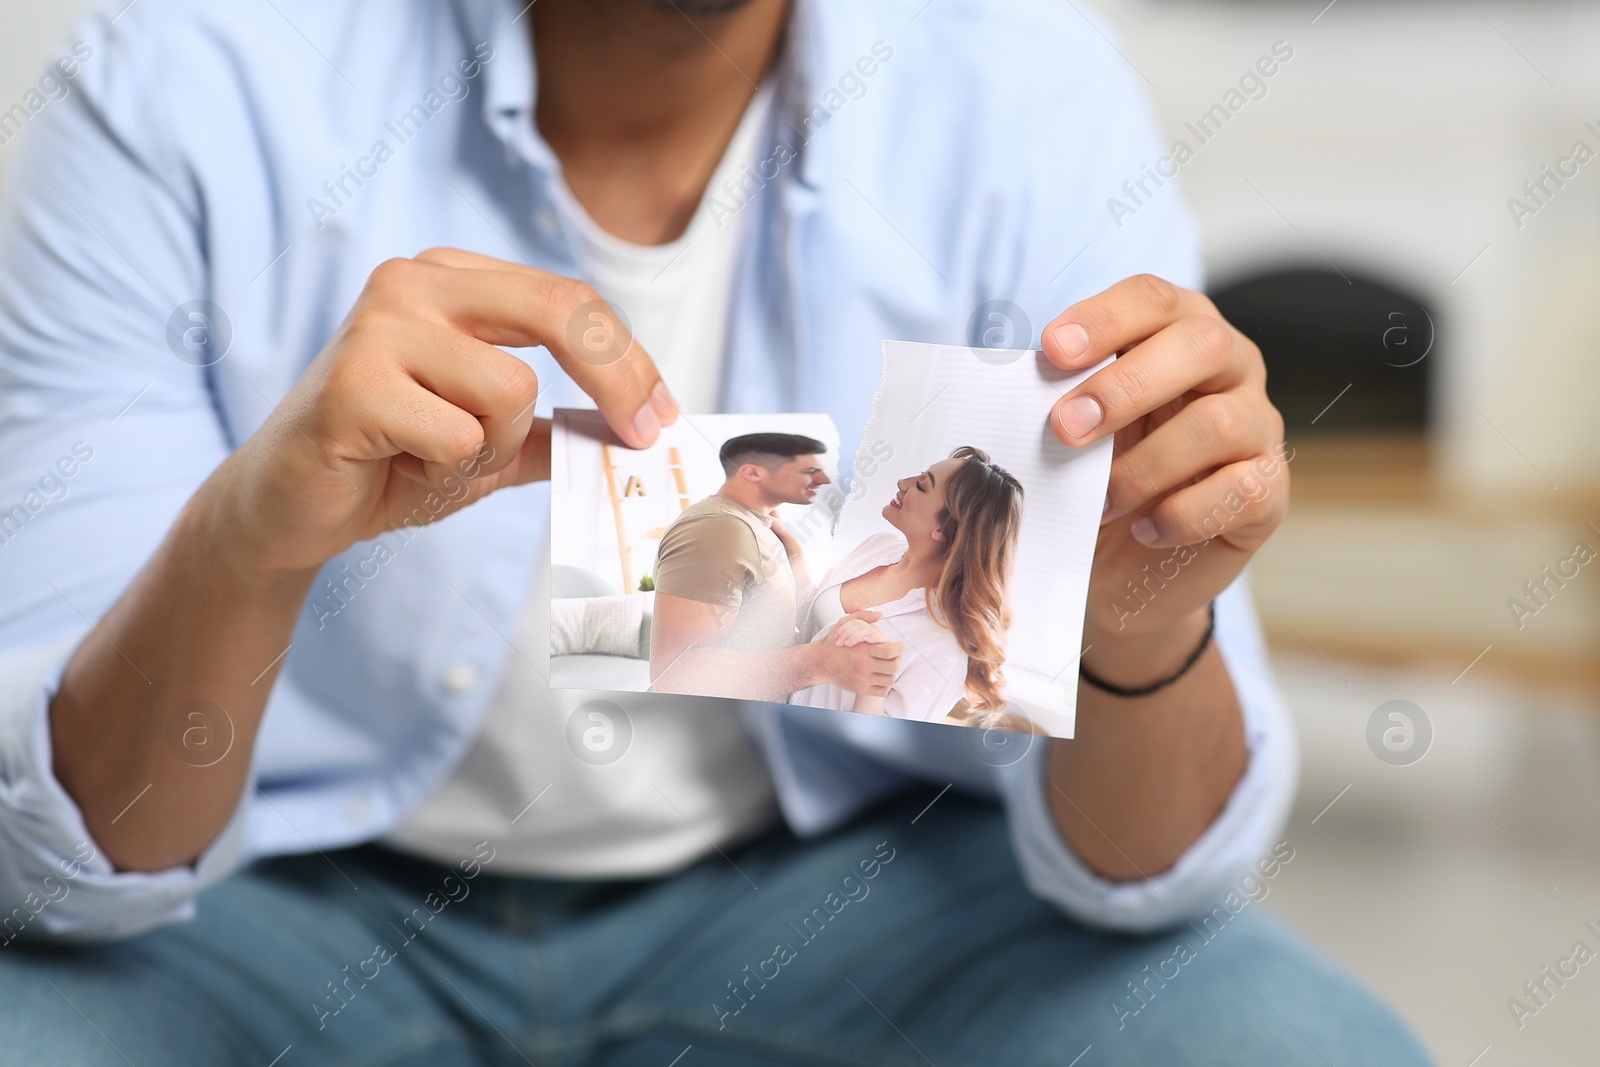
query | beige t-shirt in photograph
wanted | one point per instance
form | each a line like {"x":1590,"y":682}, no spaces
{"x":720,"y":552}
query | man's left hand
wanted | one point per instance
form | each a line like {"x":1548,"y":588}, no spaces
{"x":1199,"y":478}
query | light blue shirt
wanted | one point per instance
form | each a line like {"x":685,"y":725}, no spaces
{"x":935,"y":156}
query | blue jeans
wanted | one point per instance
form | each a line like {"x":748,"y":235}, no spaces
{"x":890,"y":942}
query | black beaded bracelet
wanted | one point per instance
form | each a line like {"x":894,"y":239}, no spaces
{"x":1117,"y":690}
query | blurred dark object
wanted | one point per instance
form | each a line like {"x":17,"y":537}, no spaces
{"x":1343,"y":352}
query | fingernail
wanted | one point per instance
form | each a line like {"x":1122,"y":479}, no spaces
{"x":1072,"y":339}
{"x":1080,"y":415}
{"x":647,"y":423}
{"x":1143,"y":530}
{"x":666,"y":407}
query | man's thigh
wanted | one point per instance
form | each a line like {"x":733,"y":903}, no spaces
{"x":245,"y":983}
{"x":901,"y":942}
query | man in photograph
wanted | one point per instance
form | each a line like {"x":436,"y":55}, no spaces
{"x":726,"y":576}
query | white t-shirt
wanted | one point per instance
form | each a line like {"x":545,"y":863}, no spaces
{"x":689,"y":780}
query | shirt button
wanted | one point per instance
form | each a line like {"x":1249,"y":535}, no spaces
{"x":460,"y":678}
{"x":356,"y":809}
{"x":546,"y":220}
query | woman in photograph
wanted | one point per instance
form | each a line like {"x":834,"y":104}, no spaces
{"x":939,"y":584}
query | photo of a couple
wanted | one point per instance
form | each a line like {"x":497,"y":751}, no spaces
{"x":910,"y":623}
{"x":733,"y":585}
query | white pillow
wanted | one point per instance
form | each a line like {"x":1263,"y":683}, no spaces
{"x":604,"y":625}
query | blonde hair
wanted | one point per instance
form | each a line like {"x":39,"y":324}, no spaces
{"x":980,"y":521}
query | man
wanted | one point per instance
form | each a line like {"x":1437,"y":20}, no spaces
{"x":726,"y":575}
{"x":259,"y":272}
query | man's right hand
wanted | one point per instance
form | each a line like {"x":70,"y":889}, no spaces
{"x":409,"y":413}
{"x":411,"y":400}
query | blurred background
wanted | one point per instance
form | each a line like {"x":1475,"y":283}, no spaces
{"x":1405,"y":213}
{"x":1432,"y":336}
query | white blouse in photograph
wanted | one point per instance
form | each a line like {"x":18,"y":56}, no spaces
{"x":933,"y":668}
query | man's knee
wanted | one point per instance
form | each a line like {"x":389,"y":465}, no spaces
{"x":1259,"y":990}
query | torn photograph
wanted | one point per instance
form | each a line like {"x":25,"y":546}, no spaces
{"x":938,"y":576}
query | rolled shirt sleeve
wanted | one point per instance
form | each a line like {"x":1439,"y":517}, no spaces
{"x":1247,"y":828}
{"x":105,"y":432}
{"x":56,"y":882}
{"x":828,"y":765}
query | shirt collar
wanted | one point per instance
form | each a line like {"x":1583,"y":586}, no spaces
{"x":511,"y":84}
{"x":916,"y":600}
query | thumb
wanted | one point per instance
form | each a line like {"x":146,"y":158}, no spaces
{"x":533,"y":460}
